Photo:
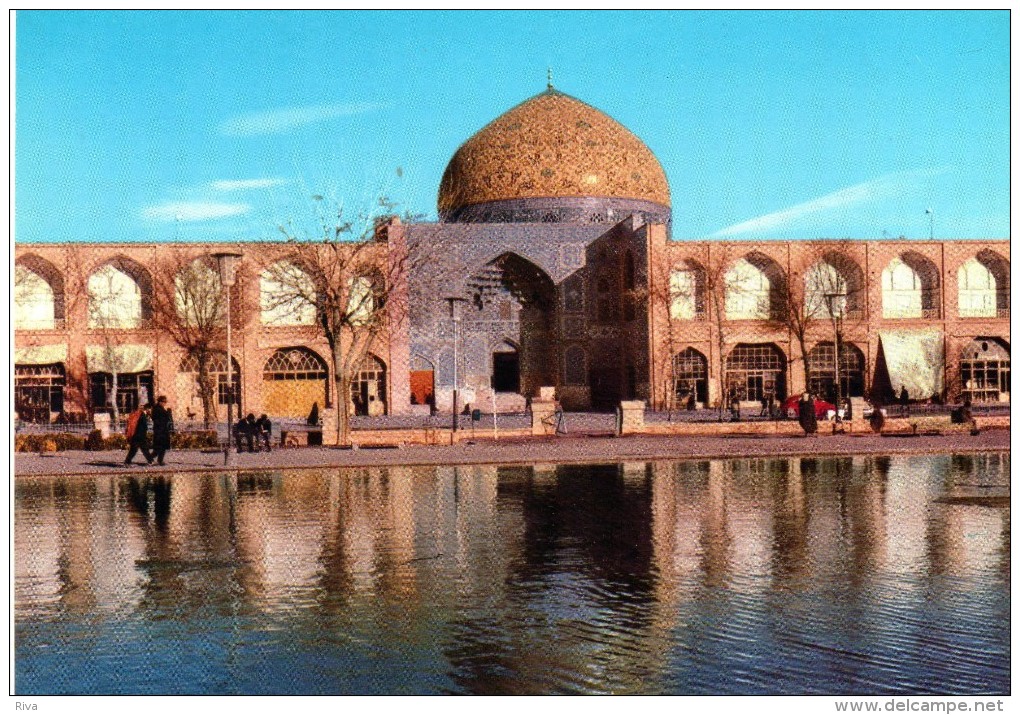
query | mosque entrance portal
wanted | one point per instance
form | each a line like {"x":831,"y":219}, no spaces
{"x":515,"y":297}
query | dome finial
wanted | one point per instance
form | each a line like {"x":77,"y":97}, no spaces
{"x":548,"y":73}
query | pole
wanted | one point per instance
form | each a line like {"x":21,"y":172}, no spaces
{"x":456,"y":339}
{"x":227,"y":456}
{"x":495,"y":431}
{"x":453,"y":300}
{"x":835,"y":335}
{"x":227,"y":264}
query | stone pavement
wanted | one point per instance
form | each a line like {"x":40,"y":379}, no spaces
{"x":561,"y":450}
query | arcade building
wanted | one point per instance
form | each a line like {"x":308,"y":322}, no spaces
{"x":553,"y":264}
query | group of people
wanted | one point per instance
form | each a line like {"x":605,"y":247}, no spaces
{"x":255,"y":434}
{"x":161,"y":419}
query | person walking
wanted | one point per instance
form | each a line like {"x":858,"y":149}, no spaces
{"x":904,"y":401}
{"x":162,"y":428}
{"x":806,"y":414}
{"x":138,"y":434}
{"x":265,"y":432}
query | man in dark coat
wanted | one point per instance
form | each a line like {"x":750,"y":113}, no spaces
{"x":806,"y":414}
{"x":264,"y":432}
{"x":162,"y":427}
{"x":139,"y":439}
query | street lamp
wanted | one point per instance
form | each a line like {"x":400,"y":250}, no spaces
{"x":455,"y":317}
{"x":835,"y":302}
{"x":227,"y":265}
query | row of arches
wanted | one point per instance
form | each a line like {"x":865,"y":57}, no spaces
{"x":753,"y":370}
{"x":119,"y":294}
{"x":293,"y":379}
{"x":755,"y":288}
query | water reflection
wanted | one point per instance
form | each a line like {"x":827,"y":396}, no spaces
{"x":857,"y":574}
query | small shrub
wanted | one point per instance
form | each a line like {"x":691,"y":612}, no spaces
{"x":115,"y":441}
{"x":68,"y":441}
{"x":94,"y":442}
{"x":194,"y":440}
{"x":48,"y":445}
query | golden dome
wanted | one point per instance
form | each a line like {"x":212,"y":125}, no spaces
{"x":552,"y":145}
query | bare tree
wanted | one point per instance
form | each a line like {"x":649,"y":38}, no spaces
{"x":720,"y":284}
{"x":829,"y":292}
{"x":188,"y":305}
{"x":692,"y":288}
{"x":355,"y":282}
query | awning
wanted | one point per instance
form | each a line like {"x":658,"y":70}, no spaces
{"x":118,"y":358}
{"x":915,"y":360}
{"x":40,"y":355}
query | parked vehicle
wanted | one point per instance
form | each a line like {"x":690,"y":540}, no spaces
{"x":791,"y":408}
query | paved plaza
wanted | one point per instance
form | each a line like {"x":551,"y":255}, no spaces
{"x":564,"y":449}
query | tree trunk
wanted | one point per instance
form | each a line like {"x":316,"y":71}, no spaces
{"x":807,"y":364}
{"x":113,"y":398}
{"x":343,"y":411}
{"x":207,"y":392}
{"x":342,"y":392}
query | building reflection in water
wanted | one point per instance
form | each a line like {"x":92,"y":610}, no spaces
{"x":527,"y":579}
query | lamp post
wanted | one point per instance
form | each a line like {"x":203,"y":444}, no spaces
{"x":227,"y":265}
{"x":834,"y":313}
{"x":455,"y":317}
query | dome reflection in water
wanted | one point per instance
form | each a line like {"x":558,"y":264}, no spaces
{"x":857,"y":575}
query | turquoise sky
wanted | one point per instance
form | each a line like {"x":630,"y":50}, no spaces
{"x":159,"y":126}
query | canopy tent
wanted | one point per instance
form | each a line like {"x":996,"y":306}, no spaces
{"x":118,"y":358}
{"x":915,"y":359}
{"x":40,"y":355}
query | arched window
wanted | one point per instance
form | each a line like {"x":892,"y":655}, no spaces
{"x":980,"y":284}
{"x":822,"y":379}
{"x":287,"y":295}
{"x":985,"y":370}
{"x":690,"y":375}
{"x":748,"y":291}
{"x":575,"y":368}
{"x":910,"y":288}
{"x":754,"y":369}
{"x":294,"y":379}
{"x":34,"y":301}
{"x":114,"y":299}
{"x":38,"y":294}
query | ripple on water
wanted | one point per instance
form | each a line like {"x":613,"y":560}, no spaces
{"x":777,"y":576}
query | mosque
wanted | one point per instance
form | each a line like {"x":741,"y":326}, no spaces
{"x":552,"y":264}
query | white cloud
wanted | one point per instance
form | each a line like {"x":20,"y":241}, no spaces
{"x":193,"y":211}
{"x":276,"y":121}
{"x":883,"y":187}
{"x":243,"y":184}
